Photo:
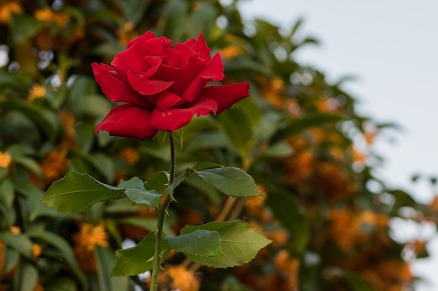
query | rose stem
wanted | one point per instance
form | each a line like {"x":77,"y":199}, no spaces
{"x":161,"y":214}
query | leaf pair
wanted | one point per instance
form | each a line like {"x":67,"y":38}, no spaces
{"x":76,"y":192}
{"x":216,"y":244}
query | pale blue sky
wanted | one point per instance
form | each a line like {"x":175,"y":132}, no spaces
{"x":391,"y":46}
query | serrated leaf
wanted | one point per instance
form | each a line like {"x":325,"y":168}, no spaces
{"x":239,"y":243}
{"x":178,"y":180}
{"x":136,"y":192}
{"x":230,"y":181}
{"x":76,"y":192}
{"x":138,"y":259}
{"x":134,"y":183}
{"x":202,"y":243}
{"x":150,"y":198}
{"x":206,"y":165}
{"x":158,"y":181}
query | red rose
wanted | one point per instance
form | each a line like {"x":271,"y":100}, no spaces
{"x":163,"y":86}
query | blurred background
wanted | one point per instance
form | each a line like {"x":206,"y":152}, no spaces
{"x":388,"y":50}
{"x":338,"y":134}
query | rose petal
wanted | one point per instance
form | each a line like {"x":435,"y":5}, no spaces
{"x":213,"y":71}
{"x":142,"y":38}
{"x":131,"y":58}
{"x":178,"y":117}
{"x":202,"y":48}
{"x":145,"y":86}
{"x":186,"y":53}
{"x":114,"y":88}
{"x":226,"y":96}
{"x":128,"y":121}
{"x":167,"y":100}
{"x":188,"y":75}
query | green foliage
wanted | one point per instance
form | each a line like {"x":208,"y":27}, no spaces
{"x":299,"y":136}
{"x":138,"y":259}
{"x":202,"y":243}
{"x":238,"y":244}
{"x":76,"y":192}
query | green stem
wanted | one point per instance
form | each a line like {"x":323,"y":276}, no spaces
{"x":161,"y":214}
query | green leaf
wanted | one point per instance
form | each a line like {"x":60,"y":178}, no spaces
{"x":20,"y":155}
{"x":137,"y":193}
{"x":46,"y":119}
{"x":298,"y":125}
{"x":76,"y":192}
{"x":24,"y":27}
{"x":287,"y":210}
{"x":239,"y":243}
{"x":203,"y":18}
{"x":357,"y":282}
{"x":149,"y":224}
{"x":278,"y":150}
{"x":206,"y":165}
{"x":18,"y":242}
{"x":12,"y":257}
{"x":133,"y":10}
{"x":133,"y":183}
{"x":105,"y":258}
{"x":158,"y":181}
{"x":85,"y":136}
{"x":7,"y":193}
{"x":65,"y":250}
{"x":138,"y":259}
{"x":26,"y":278}
{"x":178,"y":180}
{"x":230,"y":181}
{"x":104,"y":164}
{"x":150,"y":198}
{"x":202,"y":243}
{"x":9,"y":215}
{"x":61,"y":284}
{"x":174,"y":18}
{"x":238,"y":130}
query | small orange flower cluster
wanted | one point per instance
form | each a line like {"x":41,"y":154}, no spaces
{"x":89,"y":235}
{"x":285,"y":276}
{"x":36,"y":92}
{"x":274,"y":92}
{"x":5,"y":160}
{"x":55,"y":165}
{"x":233,"y":49}
{"x":130,"y":155}
{"x":390,"y":275}
{"x":299,"y":167}
{"x":8,"y":8}
{"x":333,"y":181}
{"x":349,"y":228}
{"x":53,"y":36}
{"x":179,"y":278}
{"x":126,"y":32}
{"x":49,"y":16}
